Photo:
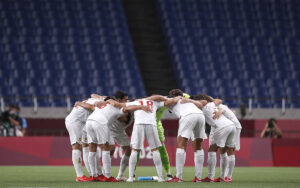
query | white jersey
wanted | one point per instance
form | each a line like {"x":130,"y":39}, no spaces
{"x":221,"y":122}
{"x":142,"y":117}
{"x":230,"y":115}
{"x":81,"y":114}
{"x":106,"y":114}
{"x":118,"y":126}
{"x":181,"y":110}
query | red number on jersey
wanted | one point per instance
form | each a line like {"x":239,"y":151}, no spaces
{"x":149,"y":104}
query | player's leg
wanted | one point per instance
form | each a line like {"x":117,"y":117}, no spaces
{"x":233,"y":144}
{"x":163,"y":151}
{"x":197,"y":137}
{"x":92,"y":140}
{"x":98,"y":159}
{"x":105,"y":142}
{"x":223,"y":162}
{"x":211,"y":162}
{"x":75,"y":137}
{"x":137,"y":143}
{"x":123,"y":141}
{"x":154,"y":144}
{"x":85,"y":151}
{"x":85,"y":154}
{"x":231,"y":164}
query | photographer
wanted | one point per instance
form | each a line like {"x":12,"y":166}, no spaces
{"x":10,"y":120}
{"x":271,"y":130}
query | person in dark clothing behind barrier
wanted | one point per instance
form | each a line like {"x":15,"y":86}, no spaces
{"x":9,"y":121}
{"x":271,"y":130}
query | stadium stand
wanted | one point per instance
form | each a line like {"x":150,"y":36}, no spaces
{"x":53,"y":49}
{"x":235,"y":49}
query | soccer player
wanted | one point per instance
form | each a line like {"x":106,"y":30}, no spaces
{"x":119,"y":135}
{"x":223,"y":138}
{"x":230,"y":151}
{"x":145,"y":125}
{"x":75,"y":123}
{"x":191,"y":125}
{"x":99,"y":133}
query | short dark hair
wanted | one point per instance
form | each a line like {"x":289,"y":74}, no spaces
{"x":203,"y":97}
{"x":175,"y":93}
{"x":120,"y":94}
{"x":109,"y":97}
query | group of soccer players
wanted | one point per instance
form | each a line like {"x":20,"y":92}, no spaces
{"x":94,"y":125}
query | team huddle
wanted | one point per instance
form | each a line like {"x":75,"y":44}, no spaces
{"x":96,"y":124}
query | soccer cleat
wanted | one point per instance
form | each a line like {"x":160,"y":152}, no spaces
{"x":92,"y":178}
{"x":196,"y":180}
{"x":175,"y":179}
{"x":160,"y":179}
{"x":82,"y":179}
{"x":101,"y":178}
{"x":219,"y":179}
{"x":207,"y":179}
{"x":169,"y":177}
{"x":121,"y":178}
{"x":228,"y":180}
{"x":130,"y":179}
{"x":112,"y":179}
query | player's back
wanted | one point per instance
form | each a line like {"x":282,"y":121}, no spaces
{"x":230,"y":115}
{"x":105,"y":114}
{"x":79,"y":113}
{"x":121,"y":126}
{"x":142,"y":117}
{"x":182,"y":110}
{"x":220,"y":122}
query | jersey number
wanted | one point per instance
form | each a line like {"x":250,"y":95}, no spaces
{"x":149,"y":104}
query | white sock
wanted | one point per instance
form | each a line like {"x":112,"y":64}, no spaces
{"x":211,"y":164}
{"x":76,"y":159}
{"x":106,"y":161}
{"x":85,"y":153}
{"x":98,"y":163}
{"x":157,"y":162}
{"x":132,"y":162}
{"x":199,"y":160}
{"x":231,"y":164}
{"x":123,"y":164}
{"x":92,"y":163}
{"x":180,"y":160}
{"x":223,"y":164}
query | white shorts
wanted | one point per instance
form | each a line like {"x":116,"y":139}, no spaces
{"x":138,"y":136}
{"x":223,"y":137}
{"x":192,"y":126}
{"x":121,"y":138}
{"x":237,"y":139}
{"x":75,"y":131}
{"x":97,"y":133}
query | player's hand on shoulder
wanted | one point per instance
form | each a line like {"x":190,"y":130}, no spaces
{"x":77,"y":103}
{"x":146,"y":109}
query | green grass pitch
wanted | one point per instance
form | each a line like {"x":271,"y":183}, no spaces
{"x":64,"y":176}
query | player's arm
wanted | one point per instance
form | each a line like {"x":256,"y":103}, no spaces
{"x":136,"y":107}
{"x":218,"y":113}
{"x":85,"y":105}
{"x":218,"y":102}
{"x":157,"y":98}
{"x":173,"y":101}
{"x":116,"y":104}
{"x":199,"y":104}
{"x":97,"y":96}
